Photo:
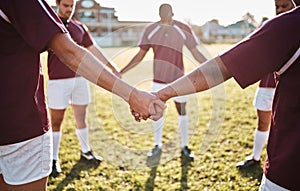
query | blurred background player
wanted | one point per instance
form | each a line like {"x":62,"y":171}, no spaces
{"x":27,"y":29}
{"x":263,"y":103}
{"x":273,"y":47}
{"x":65,"y":86}
{"x":168,"y":66}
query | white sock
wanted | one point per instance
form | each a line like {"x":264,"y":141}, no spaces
{"x":183,"y":123}
{"x":56,"y":143}
{"x":83,"y":137}
{"x":260,"y":139}
{"x":158,"y":131}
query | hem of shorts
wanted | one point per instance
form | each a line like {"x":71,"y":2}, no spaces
{"x":42,"y":175}
{"x":27,"y":181}
{"x":263,"y":109}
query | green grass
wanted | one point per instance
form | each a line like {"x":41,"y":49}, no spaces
{"x":218,"y":141}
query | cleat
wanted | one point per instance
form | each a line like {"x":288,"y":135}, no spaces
{"x":90,"y":157}
{"x":56,"y":170}
{"x":154,"y":157}
{"x":248,"y":162}
{"x":187,"y":153}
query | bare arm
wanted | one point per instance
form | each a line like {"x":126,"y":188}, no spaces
{"x":135,"y":60}
{"x":198,"y":55}
{"x":96,"y":51}
{"x":83,"y":62}
{"x":211,"y":73}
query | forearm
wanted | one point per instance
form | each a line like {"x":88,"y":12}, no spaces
{"x":198,"y":55}
{"x":206,"y":76}
{"x":96,"y":51}
{"x":131,"y":64}
{"x":83,"y":62}
{"x":93,"y":70}
{"x":135,"y":60}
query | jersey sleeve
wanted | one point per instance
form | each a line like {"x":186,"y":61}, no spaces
{"x":144,"y":42}
{"x":37,"y":26}
{"x":191,"y":40}
{"x":264,"y":51}
{"x":87,"y":37}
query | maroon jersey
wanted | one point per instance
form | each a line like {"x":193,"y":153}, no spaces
{"x":25,"y":29}
{"x":268,"y":81}
{"x":80,"y":34}
{"x":167,"y":43}
{"x":263,"y":52}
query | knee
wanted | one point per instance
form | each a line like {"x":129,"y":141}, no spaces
{"x":56,"y":123}
{"x":182,"y":112}
{"x":180,"y":108}
{"x":263,"y":125}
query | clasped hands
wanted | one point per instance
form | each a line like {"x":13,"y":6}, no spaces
{"x":144,"y":105}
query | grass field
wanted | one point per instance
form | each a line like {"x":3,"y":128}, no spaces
{"x":222,"y":124}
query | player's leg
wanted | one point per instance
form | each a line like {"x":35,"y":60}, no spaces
{"x":183,"y":124}
{"x":158,"y":132}
{"x":263,"y":103}
{"x":57,"y":117}
{"x":59,"y":93}
{"x":40,"y":185}
{"x":80,"y":99}
{"x":157,"y":125}
{"x":153,"y":156}
{"x":81,"y":126}
{"x":31,"y":164}
{"x":262,"y":133}
{"x":3,"y":186}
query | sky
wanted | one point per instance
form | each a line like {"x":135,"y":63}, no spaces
{"x":195,"y":11}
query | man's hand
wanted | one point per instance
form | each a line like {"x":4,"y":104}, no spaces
{"x":144,"y":105}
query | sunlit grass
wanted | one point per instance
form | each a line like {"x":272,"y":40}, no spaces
{"x":124,"y":143}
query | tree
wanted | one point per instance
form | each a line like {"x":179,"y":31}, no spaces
{"x":250,"y":18}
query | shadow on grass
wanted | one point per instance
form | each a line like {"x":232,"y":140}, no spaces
{"x":75,"y":174}
{"x":153,"y":163}
{"x":185,"y":166}
{"x":255,"y":172}
{"x":151,"y":180}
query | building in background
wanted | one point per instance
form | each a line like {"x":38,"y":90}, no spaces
{"x":105,"y":26}
{"x":108,"y":31}
{"x":213,"y":32}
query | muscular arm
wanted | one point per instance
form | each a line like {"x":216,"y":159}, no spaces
{"x":135,"y":60}
{"x":198,"y":55}
{"x":96,"y":51}
{"x":211,"y":73}
{"x":83,"y":62}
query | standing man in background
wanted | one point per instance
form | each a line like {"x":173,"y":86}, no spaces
{"x":268,"y":49}
{"x":167,"y":38}
{"x":28,"y":28}
{"x":263,"y":103}
{"x":65,"y":86}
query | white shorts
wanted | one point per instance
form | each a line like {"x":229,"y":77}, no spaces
{"x":263,"y":99}
{"x":179,"y":99}
{"x":62,"y":92}
{"x":27,"y":161}
{"x":267,"y":185}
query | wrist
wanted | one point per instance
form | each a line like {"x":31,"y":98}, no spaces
{"x":162,"y":96}
{"x":132,"y":95}
{"x":124,"y":90}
